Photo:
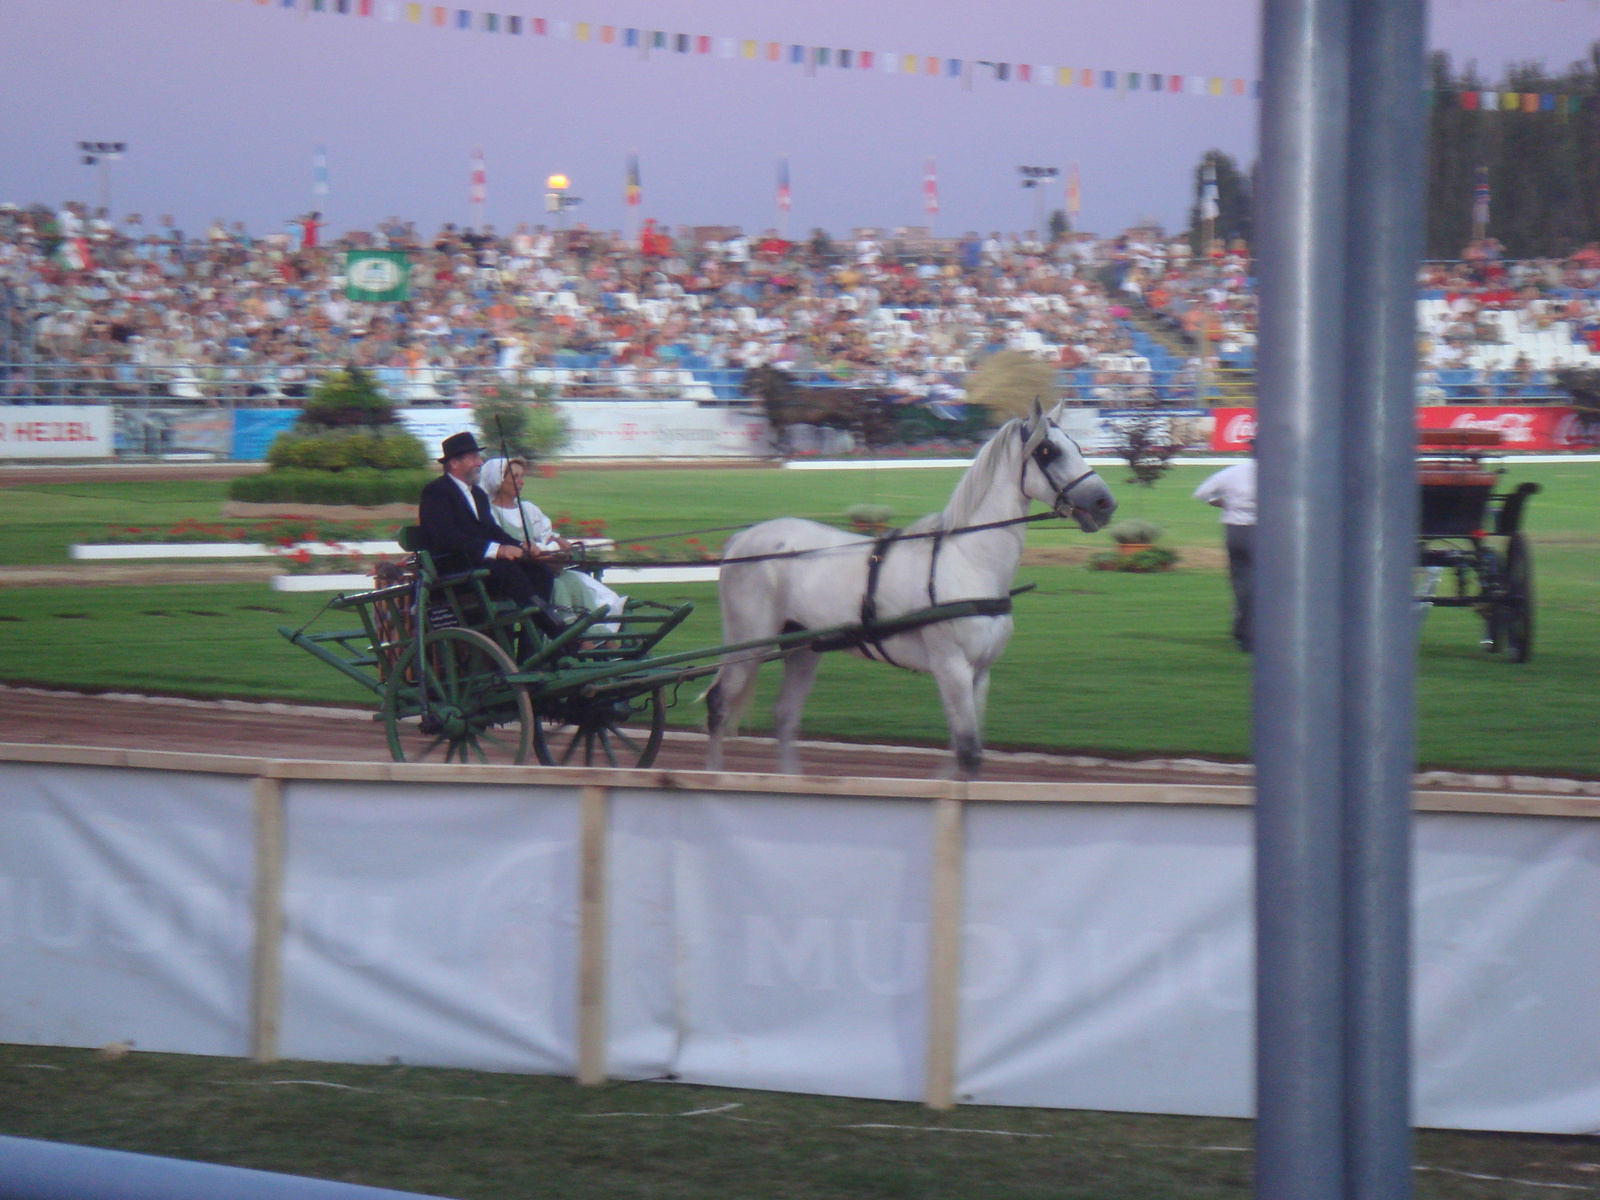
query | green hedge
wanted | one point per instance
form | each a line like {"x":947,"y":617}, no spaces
{"x":359,"y":485}
{"x":346,"y":449}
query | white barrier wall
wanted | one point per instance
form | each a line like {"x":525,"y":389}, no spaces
{"x":623,"y":429}
{"x":125,"y":908}
{"x":56,"y":431}
{"x":1083,"y":946}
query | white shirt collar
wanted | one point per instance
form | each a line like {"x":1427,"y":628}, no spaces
{"x":466,"y":489}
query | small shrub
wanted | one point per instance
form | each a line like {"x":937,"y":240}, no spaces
{"x":521,"y":420}
{"x":1140,"y":444}
{"x":1142,"y":562}
{"x":869,"y":518}
{"x":1134,"y":532}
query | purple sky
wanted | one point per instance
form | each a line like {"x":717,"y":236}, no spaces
{"x":222,"y":102}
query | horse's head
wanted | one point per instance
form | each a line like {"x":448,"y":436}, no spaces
{"x":1054,"y":472}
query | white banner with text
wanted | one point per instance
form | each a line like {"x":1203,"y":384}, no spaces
{"x":767,"y":940}
{"x":620,"y":429}
{"x":47,"y":431}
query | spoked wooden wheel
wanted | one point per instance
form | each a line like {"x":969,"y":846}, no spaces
{"x":1513,"y":611}
{"x":617,"y":732}
{"x":462,"y":709}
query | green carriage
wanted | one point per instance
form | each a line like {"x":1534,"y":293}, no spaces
{"x":462,"y":676}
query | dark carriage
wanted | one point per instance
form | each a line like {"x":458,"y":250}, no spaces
{"x":867,"y":413}
{"x":1472,"y":550}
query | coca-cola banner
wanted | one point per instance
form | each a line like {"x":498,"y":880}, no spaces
{"x":1545,"y":427}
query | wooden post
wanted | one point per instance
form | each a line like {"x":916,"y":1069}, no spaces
{"x":944,"y":953}
{"x":592,"y":938}
{"x":266,"y":990}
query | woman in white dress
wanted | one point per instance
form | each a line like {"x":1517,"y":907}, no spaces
{"x":502,"y":479}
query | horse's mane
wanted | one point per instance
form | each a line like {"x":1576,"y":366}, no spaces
{"x":972,"y":487}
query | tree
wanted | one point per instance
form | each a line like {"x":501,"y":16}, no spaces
{"x":1060,"y":226}
{"x":1543,"y":166}
{"x":1235,"y":201}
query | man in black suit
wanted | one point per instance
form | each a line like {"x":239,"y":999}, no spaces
{"x":461,"y":534}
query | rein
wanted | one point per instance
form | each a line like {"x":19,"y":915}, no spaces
{"x":1061,"y":507}
{"x":779,"y":554}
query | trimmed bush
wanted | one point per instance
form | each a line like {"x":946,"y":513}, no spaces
{"x":384,"y":449}
{"x":347,"y":397}
{"x":358,"y":485}
{"x":346,"y":448}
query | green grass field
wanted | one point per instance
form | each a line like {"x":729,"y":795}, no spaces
{"x":481,"y":1136}
{"x":1101,"y":663}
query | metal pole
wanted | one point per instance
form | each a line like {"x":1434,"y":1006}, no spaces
{"x":1299,"y":829}
{"x":1387,"y":145}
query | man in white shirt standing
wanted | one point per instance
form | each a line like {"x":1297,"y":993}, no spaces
{"x":1233,"y":490}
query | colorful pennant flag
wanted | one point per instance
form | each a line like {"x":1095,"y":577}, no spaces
{"x":930,"y":190}
{"x":847,"y":58}
{"x":784,"y":197}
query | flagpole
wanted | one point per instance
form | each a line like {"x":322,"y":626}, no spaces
{"x":632,"y":196}
{"x":319,"y":180}
{"x":784,"y":197}
{"x":477,"y":188}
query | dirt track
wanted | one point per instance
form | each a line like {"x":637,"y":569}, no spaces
{"x":59,"y":718}
{"x":348,"y":735}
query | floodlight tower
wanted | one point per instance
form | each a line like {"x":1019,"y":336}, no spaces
{"x":103,"y":154}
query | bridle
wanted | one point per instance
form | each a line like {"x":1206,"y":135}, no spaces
{"x":1043,"y":455}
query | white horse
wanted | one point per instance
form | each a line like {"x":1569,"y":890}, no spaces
{"x":812,"y":576}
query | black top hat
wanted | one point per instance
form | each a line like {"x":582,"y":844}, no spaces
{"x":458,"y":444}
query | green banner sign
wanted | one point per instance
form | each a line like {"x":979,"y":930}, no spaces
{"x":378,"y":275}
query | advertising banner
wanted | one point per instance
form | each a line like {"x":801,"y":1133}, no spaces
{"x":255,"y":429}
{"x":1534,"y":427}
{"x":668,"y":429}
{"x":56,"y":431}
{"x":770,"y":941}
{"x":125,"y":908}
{"x":1162,"y":426}
{"x":159,"y":432}
{"x":432,"y":924}
{"x":612,"y":429}
{"x":767,"y":940}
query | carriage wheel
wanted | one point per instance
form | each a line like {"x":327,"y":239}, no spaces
{"x":1513,"y":618}
{"x":471,"y":715}
{"x":623,"y":732}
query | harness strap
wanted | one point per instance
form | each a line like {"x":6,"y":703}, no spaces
{"x":873,"y":648}
{"x":933,"y":567}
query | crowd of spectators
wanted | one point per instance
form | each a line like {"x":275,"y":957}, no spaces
{"x":126,"y":310}
{"x":1488,"y":328}
{"x":591,"y":311}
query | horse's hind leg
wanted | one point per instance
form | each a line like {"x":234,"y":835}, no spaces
{"x":799,"y":674}
{"x":725,"y":703}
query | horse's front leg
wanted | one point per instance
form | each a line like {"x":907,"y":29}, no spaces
{"x":959,"y":693}
{"x":799,"y":674}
